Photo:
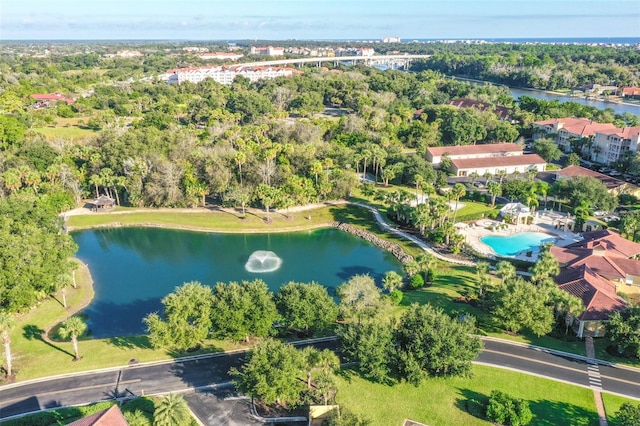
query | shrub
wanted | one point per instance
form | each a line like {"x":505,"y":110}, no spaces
{"x":416,"y":282}
{"x":628,"y":415}
{"x":396,"y":296}
{"x":506,"y":410}
{"x":431,"y":275}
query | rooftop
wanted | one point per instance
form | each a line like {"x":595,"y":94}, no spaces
{"x":492,"y":148}
{"x":608,"y":181}
{"x":608,"y":240}
{"x":506,"y":161}
{"x":598,"y":294}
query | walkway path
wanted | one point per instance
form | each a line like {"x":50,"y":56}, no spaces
{"x":595,"y":380}
{"x":424,"y":246}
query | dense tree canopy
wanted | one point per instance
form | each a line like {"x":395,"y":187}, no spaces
{"x":33,"y":251}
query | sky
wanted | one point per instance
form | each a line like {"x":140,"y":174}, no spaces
{"x":315,"y":19}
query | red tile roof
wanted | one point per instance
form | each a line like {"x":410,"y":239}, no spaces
{"x":606,"y":263}
{"x":625,"y":132}
{"x":608,"y":240}
{"x":490,"y":148}
{"x":631,"y":91}
{"x":112,"y":416}
{"x":576,"y":126}
{"x":608,"y":181}
{"x":56,"y":96}
{"x":500,"y":111}
{"x":506,"y":161}
{"x":597,"y":294}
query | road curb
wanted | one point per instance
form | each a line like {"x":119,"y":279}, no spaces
{"x":561,"y":353}
{"x":151,"y":363}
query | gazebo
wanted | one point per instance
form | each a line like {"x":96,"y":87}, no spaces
{"x":103,"y":204}
{"x":517,"y":211}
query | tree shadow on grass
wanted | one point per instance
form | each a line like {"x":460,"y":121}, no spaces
{"x":130,"y":342}
{"x":549,"y":413}
{"x":33,"y":332}
{"x":472,"y":402}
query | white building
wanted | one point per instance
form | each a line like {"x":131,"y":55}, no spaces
{"x":607,"y":143}
{"x":268,"y":51}
{"x":612,"y":145}
{"x":366,"y":51}
{"x":223,"y":56}
{"x":494,"y":165}
{"x":434,"y":154}
{"x":563,"y":130}
{"x":226,"y":74}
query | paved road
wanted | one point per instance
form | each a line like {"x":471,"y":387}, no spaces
{"x":604,"y":377}
{"x":183,"y":375}
{"x":203,"y":372}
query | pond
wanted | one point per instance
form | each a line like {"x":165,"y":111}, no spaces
{"x":134,"y":268}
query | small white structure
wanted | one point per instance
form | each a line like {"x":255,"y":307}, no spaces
{"x":517,"y":211}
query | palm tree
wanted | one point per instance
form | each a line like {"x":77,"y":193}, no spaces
{"x":391,"y":281}
{"x":326,"y":386}
{"x":73,"y":327}
{"x":572,"y":309}
{"x":501,"y":175}
{"x":96,"y":181}
{"x":329,"y":361}
{"x":474,"y":176}
{"x":543,"y":188}
{"x":418,"y":179}
{"x":546,"y":267}
{"x":494,"y":189}
{"x":426,"y":261}
{"x":311,"y":359}
{"x":487,"y":176}
{"x":428,"y":189}
{"x":171,"y":410}
{"x":240,"y":158}
{"x":506,"y":270}
{"x":458,"y":191}
{"x":6,"y":322}
{"x":411,"y":267}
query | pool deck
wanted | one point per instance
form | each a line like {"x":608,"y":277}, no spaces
{"x":543,"y":221}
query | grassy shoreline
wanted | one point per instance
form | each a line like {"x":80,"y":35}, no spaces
{"x":452,"y":282}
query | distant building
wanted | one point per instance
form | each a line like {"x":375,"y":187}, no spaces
{"x":502,"y":112}
{"x":391,"y":40}
{"x":614,"y":186}
{"x":563,"y":130}
{"x":44,"y":100}
{"x":493,"y":165}
{"x":268,"y":51}
{"x":630,"y":92}
{"x":226,"y":74}
{"x":129,"y":54}
{"x":224,"y":56}
{"x":611,"y":145}
{"x":366,"y":51}
{"x":435,"y":153}
{"x":192,"y":49}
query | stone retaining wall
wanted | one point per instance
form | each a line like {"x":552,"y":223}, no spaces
{"x":392,"y":248}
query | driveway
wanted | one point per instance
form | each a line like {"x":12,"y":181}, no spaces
{"x":222,"y":407}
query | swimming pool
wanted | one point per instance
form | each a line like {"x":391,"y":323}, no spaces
{"x":511,"y":245}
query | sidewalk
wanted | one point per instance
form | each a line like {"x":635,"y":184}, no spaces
{"x":594,"y":381}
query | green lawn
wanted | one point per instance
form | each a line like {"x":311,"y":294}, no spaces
{"x":442,"y":401}
{"x":35,"y":357}
{"x":228,"y":220}
{"x":74,"y":133}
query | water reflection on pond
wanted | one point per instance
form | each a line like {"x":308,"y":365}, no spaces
{"x":134,"y":268}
